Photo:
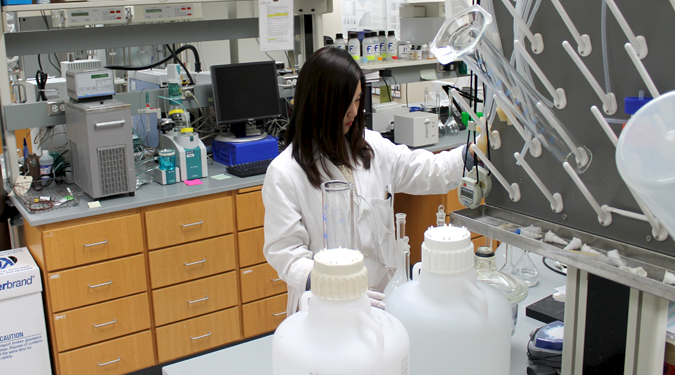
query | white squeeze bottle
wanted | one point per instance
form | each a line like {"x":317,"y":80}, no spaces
{"x":354,"y":46}
{"x":392,"y":46}
{"x":46,"y":163}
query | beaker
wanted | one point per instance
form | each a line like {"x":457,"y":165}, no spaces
{"x":463,"y":37}
{"x":167,"y":159}
{"x":337,"y":198}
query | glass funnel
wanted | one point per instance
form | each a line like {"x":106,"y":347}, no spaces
{"x":337,"y":198}
{"x":463,"y":37}
{"x":526,"y":270}
{"x":512,"y":287}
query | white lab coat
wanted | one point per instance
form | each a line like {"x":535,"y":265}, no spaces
{"x":294,"y":216}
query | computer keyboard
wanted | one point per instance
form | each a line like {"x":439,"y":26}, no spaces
{"x":384,"y":107}
{"x":249,"y":169}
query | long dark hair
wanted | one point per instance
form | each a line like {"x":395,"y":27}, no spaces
{"x":325,"y":89}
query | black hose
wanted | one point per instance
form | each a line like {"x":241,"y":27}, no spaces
{"x":198,"y":64}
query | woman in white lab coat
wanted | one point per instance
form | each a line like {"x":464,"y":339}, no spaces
{"x":327,"y":140}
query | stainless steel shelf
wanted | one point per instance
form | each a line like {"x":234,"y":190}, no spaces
{"x":500,"y":224}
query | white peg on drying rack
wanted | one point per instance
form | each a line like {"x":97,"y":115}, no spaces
{"x":495,"y":139}
{"x":641,"y":69}
{"x":559,"y":97}
{"x":639,"y":42}
{"x":555,"y":199}
{"x":604,"y":216}
{"x":583,"y":41}
{"x":532,"y":143}
{"x":608,"y":99}
{"x":536,"y":39}
{"x":513,"y":189}
{"x":672,"y":2}
{"x":579,"y":153}
{"x":605,"y":126}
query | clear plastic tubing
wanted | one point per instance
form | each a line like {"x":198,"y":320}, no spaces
{"x":338,"y":214}
{"x":462,"y":37}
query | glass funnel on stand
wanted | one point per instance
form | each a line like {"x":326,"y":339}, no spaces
{"x":463,"y":37}
{"x":509,"y":285}
{"x":337,"y":198}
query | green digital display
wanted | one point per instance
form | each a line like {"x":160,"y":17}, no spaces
{"x":79,"y":14}
{"x":153,"y":11}
{"x":94,"y":76}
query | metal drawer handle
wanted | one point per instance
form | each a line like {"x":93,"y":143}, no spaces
{"x":201,"y":337}
{"x":105,"y":324}
{"x":193,"y":263}
{"x":189,"y":225}
{"x":95,"y":244}
{"x":281,"y":313}
{"x":109,"y":123}
{"x":199,"y":300}
{"x":96,"y":286}
{"x":113,"y":361}
{"x":275,"y":280}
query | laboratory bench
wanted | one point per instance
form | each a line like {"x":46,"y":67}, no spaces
{"x":167,"y":273}
{"x":255,"y":357}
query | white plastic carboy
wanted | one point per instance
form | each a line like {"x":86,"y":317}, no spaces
{"x":336,"y":331}
{"x":453,"y":320}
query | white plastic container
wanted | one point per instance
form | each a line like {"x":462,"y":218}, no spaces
{"x":392,"y":46}
{"x":382,"y":39}
{"x":369,"y":48}
{"x":645,"y":156}
{"x":337,"y":332}
{"x":354,"y":46}
{"x":340,"y":42}
{"x":456,"y":324}
{"x":46,"y":163}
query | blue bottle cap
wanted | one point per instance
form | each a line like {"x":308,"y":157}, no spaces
{"x":632,"y":104}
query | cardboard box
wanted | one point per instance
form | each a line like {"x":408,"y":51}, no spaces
{"x":412,"y":11}
{"x":24,"y":346}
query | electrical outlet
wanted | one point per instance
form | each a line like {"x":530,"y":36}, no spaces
{"x":185,"y":90}
{"x":55,"y":108}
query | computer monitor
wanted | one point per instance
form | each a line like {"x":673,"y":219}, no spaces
{"x":244,"y":93}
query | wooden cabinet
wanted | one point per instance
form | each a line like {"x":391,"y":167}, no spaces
{"x":119,"y":356}
{"x":198,"y":334}
{"x":250,"y":247}
{"x":264,"y":315}
{"x":253,"y":211}
{"x":101,"y":322}
{"x":188,"y":221}
{"x":259,"y":282}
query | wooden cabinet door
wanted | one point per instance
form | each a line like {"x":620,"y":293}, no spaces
{"x":97,"y":283}
{"x":259,"y":282}
{"x":114,"y":357}
{"x":250,"y":247}
{"x":187,"y":222}
{"x":195,"y":298}
{"x":250,"y":210}
{"x":103,"y":321}
{"x":264,"y":315}
{"x":192,"y":261}
{"x":198,"y":334}
{"x":94,"y":242}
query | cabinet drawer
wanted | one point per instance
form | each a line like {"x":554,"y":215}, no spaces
{"x":96,"y":283}
{"x":102,"y":321}
{"x":94,"y":242}
{"x":119,"y":356}
{"x":250,"y":210}
{"x":264,"y":316}
{"x":251,"y":247}
{"x":188,"y":222}
{"x":198,"y":334}
{"x":195,"y":298}
{"x":259,"y":282}
{"x":191,"y":261}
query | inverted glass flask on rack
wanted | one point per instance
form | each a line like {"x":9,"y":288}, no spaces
{"x":464,"y":37}
{"x":337,"y":199}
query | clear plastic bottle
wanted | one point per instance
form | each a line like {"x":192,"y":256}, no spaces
{"x":354,"y":46}
{"x":383,"y":46}
{"x":412,"y":52}
{"x":46,"y":163}
{"x":403,"y":48}
{"x":418,"y":55}
{"x":376,"y":48}
{"x":392,"y":46}
{"x":511,"y":286}
{"x":340,"y":42}
{"x":369,"y":48}
{"x":425,"y":52}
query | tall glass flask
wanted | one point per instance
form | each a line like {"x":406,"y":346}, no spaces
{"x":338,"y":214}
{"x":464,"y":37}
{"x":402,"y":274}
